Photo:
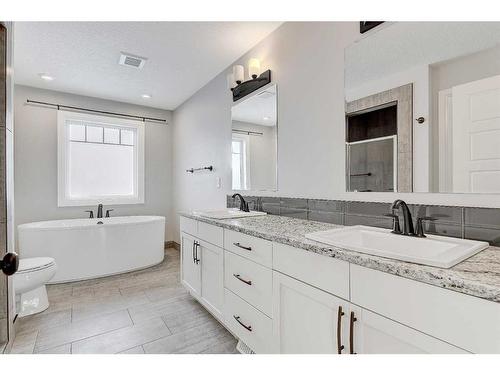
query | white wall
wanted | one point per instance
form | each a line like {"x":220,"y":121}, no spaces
{"x":36,"y":158}
{"x":306,"y":60}
{"x":307,"y":63}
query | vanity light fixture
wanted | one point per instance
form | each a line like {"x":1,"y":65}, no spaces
{"x":265,"y":118}
{"x":242,"y":88}
{"x":146,"y":96}
{"x":46,"y":77}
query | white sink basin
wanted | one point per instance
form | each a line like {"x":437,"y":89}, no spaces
{"x":436,"y":251}
{"x":230,"y":213}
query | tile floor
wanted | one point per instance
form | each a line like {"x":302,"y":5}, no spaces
{"x":146,"y":311}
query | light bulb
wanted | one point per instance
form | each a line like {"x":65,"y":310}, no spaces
{"x":238,"y":73}
{"x":254,"y":68}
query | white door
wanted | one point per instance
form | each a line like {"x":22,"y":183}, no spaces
{"x":306,"y":319}
{"x":476,"y":136}
{"x":370,"y":333}
{"x":212,"y":276}
{"x":190,"y":266}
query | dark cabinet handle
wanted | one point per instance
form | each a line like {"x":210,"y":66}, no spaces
{"x":340,"y":314}
{"x":196,"y":246}
{"x":248,"y":282}
{"x":248,"y":328}
{"x":237,"y":244}
{"x":351,"y":333}
{"x":9,"y":264}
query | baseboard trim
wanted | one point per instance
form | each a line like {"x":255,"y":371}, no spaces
{"x":172,"y":244}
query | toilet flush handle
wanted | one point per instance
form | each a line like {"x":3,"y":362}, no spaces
{"x":9,"y":264}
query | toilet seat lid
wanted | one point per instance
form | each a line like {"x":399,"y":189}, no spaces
{"x":34,"y":264}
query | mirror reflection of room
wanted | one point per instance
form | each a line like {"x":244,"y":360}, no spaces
{"x":453,"y":135}
{"x":254,"y":139}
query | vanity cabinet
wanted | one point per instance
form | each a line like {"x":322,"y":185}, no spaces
{"x":190,"y":269}
{"x":202,"y":264}
{"x":370,"y":333}
{"x":281,"y":299}
{"x":307,"y":319}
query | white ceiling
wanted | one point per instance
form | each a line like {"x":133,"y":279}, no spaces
{"x":403,"y":45}
{"x":259,"y":109}
{"x":83,"y":56}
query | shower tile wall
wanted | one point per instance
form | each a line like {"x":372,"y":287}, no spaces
{"x":461,"y":222}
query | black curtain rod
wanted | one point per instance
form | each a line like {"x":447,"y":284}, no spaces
{"x":59,"y":106}
{"x":246,"y":132}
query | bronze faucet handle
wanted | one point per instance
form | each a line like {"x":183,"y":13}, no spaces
{"x":396,"y":229}
{"x":420,"y":225}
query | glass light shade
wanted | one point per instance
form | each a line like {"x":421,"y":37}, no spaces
{"x":239,"y":73}
{"x":253,"y":68}
{"x":231,"y":83}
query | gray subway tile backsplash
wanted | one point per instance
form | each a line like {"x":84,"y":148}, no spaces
{"x":367,"y":208}
{"x":327,"y":217}
{"x":299,"y":203}
{"x":482,"y":217}
{"x":439,"y":213}
{"x":324,"y":205}
{"x":461,"y":222}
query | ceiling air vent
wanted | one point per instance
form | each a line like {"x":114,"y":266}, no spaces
{"x":132,"y":61}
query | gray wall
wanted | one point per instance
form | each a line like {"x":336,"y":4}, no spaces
{"x":307,"y":63}
{"x":36,"y":158}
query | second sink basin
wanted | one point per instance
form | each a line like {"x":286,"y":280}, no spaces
{"x":438,"y":251}
{"x":228,"y":213}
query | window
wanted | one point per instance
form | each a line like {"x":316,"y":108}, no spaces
{"x":100,"y":160}
{"x":240,"y":167}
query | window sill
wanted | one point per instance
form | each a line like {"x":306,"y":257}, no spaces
{"x":63,"y":202}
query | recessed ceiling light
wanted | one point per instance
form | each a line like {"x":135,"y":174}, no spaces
{"x":46,"y":77}
{"x":146,"y":96}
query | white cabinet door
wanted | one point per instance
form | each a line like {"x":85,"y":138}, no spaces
{"x":212,"y":275}
{"x":370,"y":333}
{"x":307,"y":319}
{"x":190,"y":267}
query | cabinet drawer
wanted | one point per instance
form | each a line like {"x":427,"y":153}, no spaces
{"x":210,"y":233}
{"x":468,"y":322}
{"x":247,"y":323}
{"x":189,"y":226}
{"x":249,"y":280}
{"x":253,"y":248}
{"x":329,"y":274}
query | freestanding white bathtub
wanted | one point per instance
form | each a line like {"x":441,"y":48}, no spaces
{"x":89,"y":248}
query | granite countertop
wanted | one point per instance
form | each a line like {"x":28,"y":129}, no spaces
{"x":477,"y":276}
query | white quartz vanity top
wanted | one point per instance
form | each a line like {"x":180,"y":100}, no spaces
{"x":477,"y":276}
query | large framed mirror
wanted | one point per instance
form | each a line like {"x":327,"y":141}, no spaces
{"x":254,"y":141}
{"x":423,"y":108}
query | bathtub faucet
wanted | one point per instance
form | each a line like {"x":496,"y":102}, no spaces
{"x":99,"y":211}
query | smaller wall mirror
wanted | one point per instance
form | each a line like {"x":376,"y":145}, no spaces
{"x":254,"y":141}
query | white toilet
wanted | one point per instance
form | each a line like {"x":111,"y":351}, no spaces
{"x":29,"y":284}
